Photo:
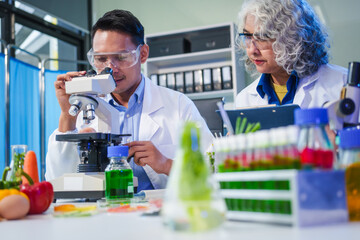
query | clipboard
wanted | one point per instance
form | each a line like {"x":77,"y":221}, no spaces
{"x":268,"y":116}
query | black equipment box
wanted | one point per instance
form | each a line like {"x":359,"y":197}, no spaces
{"x":215,"y":38}
{"x":169,"y":45}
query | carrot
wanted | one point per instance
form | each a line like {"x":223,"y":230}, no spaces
{"x":30,"y":167}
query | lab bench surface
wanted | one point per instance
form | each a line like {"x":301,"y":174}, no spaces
{"x":127,"y":226}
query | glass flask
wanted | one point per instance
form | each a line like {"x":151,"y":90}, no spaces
{"x":192,"y":201}
{"x":17,"y":162}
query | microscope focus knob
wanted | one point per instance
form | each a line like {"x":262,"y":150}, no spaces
{"x":347,"y":106}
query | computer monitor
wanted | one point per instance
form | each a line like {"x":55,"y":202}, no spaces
{"x":207,"y":109}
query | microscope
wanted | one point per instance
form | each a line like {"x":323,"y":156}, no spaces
{"x":344,"y":113}
{"x":85,"y":100}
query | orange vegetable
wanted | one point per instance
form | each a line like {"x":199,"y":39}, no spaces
{"x":30,"y":167}
{"x":71,"y":208}
{"x":7,"y":192}
{"x":65,"y":208}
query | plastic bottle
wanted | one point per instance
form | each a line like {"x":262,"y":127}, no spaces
{"x":118,"y":174}
{"x":291,"y":151}
{"x":316,"y":150}
{"x":241,"y":145}
{"x":350,"y":160}
{"x":277,"y":148}
{"x":250,"y":149}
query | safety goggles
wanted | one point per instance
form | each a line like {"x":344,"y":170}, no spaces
{"x":123,"y":59}
{"x":247,"y":38}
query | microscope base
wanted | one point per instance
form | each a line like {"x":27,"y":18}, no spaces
{"x":90,"y":195}
{"x":89,"y":185}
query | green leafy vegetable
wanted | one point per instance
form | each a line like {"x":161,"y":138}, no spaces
{"x":18,"y":160}
{"x":195,"y":190}
{"x":194,"y":172}
{"x":211,"y":156}
{"x":242,"y":126}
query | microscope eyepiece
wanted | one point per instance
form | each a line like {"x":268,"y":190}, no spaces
{"x":354,"y":74}
{"x":107,"y":70}
{"x":90,"y":73}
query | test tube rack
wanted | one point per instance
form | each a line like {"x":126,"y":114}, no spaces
{"x":292,"y":197}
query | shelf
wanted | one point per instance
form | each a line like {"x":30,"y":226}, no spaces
{"x":217,"y":55}
{"x":256,"y":175}
{"x":260,"y":217}
{"x":212,"y":94}
{"x":224,"y":55}
{"x":256,"y":194}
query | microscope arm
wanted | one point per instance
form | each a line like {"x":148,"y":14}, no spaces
{"x":108,"y":117}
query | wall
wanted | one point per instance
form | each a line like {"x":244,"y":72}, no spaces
{"x":74,"y":12}
{"x":341,"y":17}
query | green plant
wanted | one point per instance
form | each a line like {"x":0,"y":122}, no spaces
{"x":242,"y":126}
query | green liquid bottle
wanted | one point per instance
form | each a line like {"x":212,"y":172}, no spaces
{"x":118,"y":174}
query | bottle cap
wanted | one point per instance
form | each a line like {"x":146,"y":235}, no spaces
{"x":117,"y":151}
{"x":311,"y":116}
{"x":350,"y":138}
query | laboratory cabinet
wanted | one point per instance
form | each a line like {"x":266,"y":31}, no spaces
{"x":201,"y":62}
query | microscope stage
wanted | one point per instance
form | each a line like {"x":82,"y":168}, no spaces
{"x":98,"y":136}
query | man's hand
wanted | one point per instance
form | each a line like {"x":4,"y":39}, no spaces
{"x":145,"y":153}
{"x":87,"y":130}
{"x":66,"y":121}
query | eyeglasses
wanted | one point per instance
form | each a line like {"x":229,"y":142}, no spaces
{"x":123,"y":59}
{"x":247,"y":38}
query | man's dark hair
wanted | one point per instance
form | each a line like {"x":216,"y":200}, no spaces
{"x":120,"y":21}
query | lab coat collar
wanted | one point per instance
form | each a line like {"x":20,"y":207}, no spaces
{"x":148,"y":126}
{"x":302,"y":91}
{"x":152,"y":102}
{"x":258,"y":100}
{"x":299,"y":99}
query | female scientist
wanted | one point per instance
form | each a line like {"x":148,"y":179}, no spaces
{"x":285,"y":41}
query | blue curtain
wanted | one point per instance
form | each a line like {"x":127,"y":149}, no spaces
{"x":2,"y":112}
{"x":25,"y":106}
{"x":52,"y":108}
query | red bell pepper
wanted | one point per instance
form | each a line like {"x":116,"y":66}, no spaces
{"x":40,"y":194}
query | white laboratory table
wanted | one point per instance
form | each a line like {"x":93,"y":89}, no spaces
{"x":125,"y":226}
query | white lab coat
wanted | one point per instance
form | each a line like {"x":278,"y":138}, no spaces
{"x":312,"y":91}
{"x":162,"y":114}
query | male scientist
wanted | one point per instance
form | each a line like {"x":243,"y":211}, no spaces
{"x":150,"y":113}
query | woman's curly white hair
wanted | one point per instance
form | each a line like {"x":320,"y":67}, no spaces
{"x":301,"y":41}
